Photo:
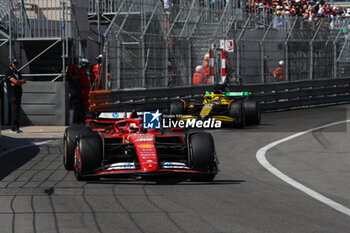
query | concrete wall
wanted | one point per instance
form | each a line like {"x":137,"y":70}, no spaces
{"x":44,"y":103}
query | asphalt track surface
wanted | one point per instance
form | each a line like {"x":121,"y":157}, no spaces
{"x":38,"y":195}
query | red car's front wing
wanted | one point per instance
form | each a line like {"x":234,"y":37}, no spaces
{"x":139,"y":172}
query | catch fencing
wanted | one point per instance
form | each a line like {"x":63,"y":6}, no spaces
{"x":148,"y":46}
{"x":310,"y":50}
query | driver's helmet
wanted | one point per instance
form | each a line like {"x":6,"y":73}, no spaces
{"x":216,"y":99}
{"x":133,"y":128}
{"x":84,"y":62}
{"x":199,"y":68}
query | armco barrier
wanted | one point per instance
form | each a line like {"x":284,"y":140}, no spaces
{"x":271,"y":96}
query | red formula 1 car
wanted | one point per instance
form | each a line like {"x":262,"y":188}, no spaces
{"x":123,"y":148}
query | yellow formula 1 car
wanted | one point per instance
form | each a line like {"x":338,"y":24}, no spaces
{"x":235,"y":108}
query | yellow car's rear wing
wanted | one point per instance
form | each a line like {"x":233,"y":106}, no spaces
{"x":231,"y":94}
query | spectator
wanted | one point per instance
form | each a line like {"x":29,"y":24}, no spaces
{"x":211,"y":4}
{"x":109,"y":82}
{"x":282,"y":10}
{"x":84,"y":82}
{"x":334,"y":17}
{"x":14,"y":82}
{"x":262,"y":12}
{"x":321,"y":8}
{"x":206,"y":66}
{"x":278,"y":74}
{"x":229,"y":70}
{"x":266,"y":68}
{"x":198,"y":76}
{"x":223,"y":4}
{"x":166,"y":5}
{"x":171,"y":75}
{"x":75,"y":98}
{"x":278,"y":20}
{"x":347,"y":12}
{"x":96,"y":76}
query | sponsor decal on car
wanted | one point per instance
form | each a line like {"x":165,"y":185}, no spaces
{"x":175,"y":165}
{"x":147,"y":154}
{"x":145,"y":146}
{"x":121,"y":166}
{"x":144,"y":139}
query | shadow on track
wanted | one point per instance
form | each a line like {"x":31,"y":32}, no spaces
{"x":165,"y":181}
{"x":15,"y":159}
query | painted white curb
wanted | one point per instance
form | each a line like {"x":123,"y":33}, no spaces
{"x":261,"y":157}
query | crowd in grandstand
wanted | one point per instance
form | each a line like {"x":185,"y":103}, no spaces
{"x":309,"y":10}
{"x":280,"y":10}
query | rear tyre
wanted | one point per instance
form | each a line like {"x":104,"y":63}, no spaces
{"x":237,"y":112}
{"x":88,"y":155}
{"x":252,"y":111}
{"x":202,"y":154}
{"x":177,"y":107}
{"x":69,"y":138}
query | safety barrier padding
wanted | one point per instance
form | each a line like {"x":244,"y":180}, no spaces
{"x":99,"y":101}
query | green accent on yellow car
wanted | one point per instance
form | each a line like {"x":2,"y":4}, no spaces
{"x":230,"y":94}
{"x":237,"y":94}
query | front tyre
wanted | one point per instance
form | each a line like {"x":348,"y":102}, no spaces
{"x":69,"y":139}
{"x":203,"y":156}
{"x":237,"y":112}
{"x":88,"y":155}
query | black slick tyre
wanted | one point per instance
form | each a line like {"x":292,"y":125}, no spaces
{"x":69,"y":138}
{"x":202,"y":156}
{"x":252,"y":111}
{"x":88,"y":155}
{"x":177,"y":107}
{"x":237,"y":112}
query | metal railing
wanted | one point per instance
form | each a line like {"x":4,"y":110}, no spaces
{"x":5,"y":7}
{"x":43,"y":20}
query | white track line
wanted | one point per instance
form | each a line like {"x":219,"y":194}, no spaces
{"x":24,"y":146}
{"x":260,"y":155}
